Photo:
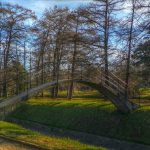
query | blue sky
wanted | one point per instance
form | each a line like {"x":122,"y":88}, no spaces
{"x":38,"y":6}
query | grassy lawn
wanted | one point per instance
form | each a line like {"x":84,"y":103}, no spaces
{"x":76,"y":94}
{"x":19,"y":133}
{"x":91,"y":115}
{"x":145,"y":93}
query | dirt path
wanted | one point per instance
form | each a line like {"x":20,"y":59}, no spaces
{"x":11,"y":145}
{"x":111,"y":144}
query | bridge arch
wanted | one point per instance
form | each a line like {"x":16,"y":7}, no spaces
{"x":122,"y":105}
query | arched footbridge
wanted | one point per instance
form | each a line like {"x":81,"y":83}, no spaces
{"x":113,"y":88}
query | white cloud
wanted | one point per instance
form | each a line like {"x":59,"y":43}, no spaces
{"x":40,"y":5}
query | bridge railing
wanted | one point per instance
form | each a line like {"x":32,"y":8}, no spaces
{"x":113,"y":82}
{"x":109,"y":81}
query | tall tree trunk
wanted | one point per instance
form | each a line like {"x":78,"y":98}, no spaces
{"x":42,"y":67}
{"x":30,"y":84}
{"x":54,"y":75}
{"x":1,"y":61}
{"x":24,"y":65}
{"x":130,"y":47}
{"x":37,"y":70}
{"x":68,"y":77}
{"x":57,"y":74}
{"x":6,"y":55}
{"x":72,"y":70}
{"x":106,"y":32}
{"x":74,"y":58}
{"x":17,"y":71}
{"x":59,"y":55}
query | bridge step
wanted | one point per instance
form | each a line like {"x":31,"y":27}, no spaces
{"x":124,"y":105}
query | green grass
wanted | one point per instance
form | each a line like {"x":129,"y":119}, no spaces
{"x":82,"y":94}
{"x":76,"y":94}
{"x":19,"y":133}
{"x":91,"y":115}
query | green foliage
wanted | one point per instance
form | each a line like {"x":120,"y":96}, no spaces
{"x":19,"y":74}
{"x":142,"y":54}
{"x":142,"y":60}
{"x":17,"y":132}
{"x":96,"y":116}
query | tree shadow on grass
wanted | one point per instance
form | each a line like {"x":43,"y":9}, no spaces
{"x":102,"y":119}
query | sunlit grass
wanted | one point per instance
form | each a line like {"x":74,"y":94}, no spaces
{"x":76,"y":94}
{"x":145,"y":93}
{"x":88,"y":114}
{"x":19,"y":133}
